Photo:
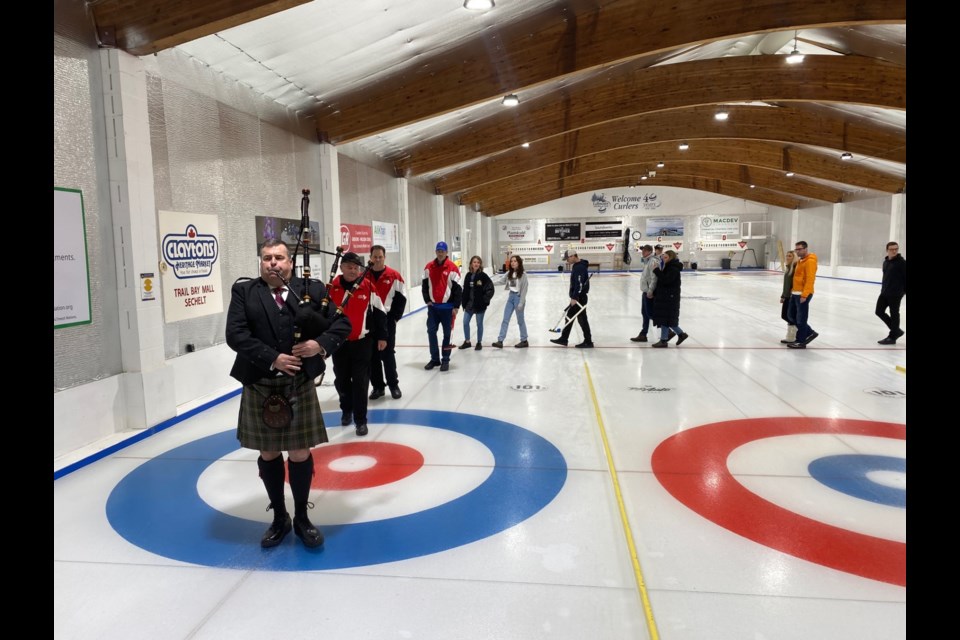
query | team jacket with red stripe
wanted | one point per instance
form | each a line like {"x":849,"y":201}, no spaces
{"x":392,"y":290}
{"x":364,"y":308}
{"x":441,"y":284}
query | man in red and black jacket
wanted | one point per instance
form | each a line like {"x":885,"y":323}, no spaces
{"x":441,"y":292}
{"x":358,"y":299}
{"x":392,"y":290}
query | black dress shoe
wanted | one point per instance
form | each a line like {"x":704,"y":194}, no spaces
{"x":523,"y":344}
{"x":640,"y":338}
{"x":497,"y":345}
{"x":659,"y":344}
{"x":887,"y":341}
{"x":395,"y":392}
{"x":810,"y":338}
{"x":308,"y":534}
{"x":276,"y":533}
{"x":377,"y":393}
{"x":362,"y":428}
{"x":465,"y":345}
{"x":478,"y":347}
{"x":586,"y":344}
{"x":559,"y":341}
{"x":431,"y":365}
{"x":445,"y":366}
{"x":346,"y":418}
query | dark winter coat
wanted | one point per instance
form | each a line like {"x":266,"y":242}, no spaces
{"x":477,"y":292}
{"x":894,"y":276}
{"x":666,"y":297}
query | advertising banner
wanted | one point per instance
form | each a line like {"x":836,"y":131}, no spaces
{"x":190,"y":265}
{"x":387,"y":235}
{"x":562,"y":231}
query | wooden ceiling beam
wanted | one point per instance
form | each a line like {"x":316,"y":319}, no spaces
{"x":786,"y":125}
{"x":632,"y":174}
{"x":142,"y":27}
{"x":731,"y":189}
{"x":627,"y":92}
{"x":573,"y":37}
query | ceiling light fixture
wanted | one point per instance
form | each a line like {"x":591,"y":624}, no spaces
{"x":659,"y":165}
{"x":525,"y":145}
{"x":846,"y":155}
{"x":753,"y":186}
{"x":478,"y":5}
{"x":795,"y":56}
{"x":789,"y":174}
{"x":684,"y":146}
{"x":510,"y":100}
{"x":643,"y":177}
{"x":721,"y":115}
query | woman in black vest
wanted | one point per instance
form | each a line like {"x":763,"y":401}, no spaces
{"x":477,"y":293}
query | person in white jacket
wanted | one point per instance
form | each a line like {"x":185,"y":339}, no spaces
{"x":648,"y":282}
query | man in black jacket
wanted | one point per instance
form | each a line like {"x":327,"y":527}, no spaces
{"x":279,"y":410}
{"x":892,"y":290}
{"x":579,"y":287}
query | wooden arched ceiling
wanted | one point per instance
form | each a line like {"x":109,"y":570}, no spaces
{"x":627,"y":92}
{"x":731,"y":189}
{"x":748,"y":125}
{"x":774,"y":180}
{"x":573,"y":37}
{"x":593,"y":77}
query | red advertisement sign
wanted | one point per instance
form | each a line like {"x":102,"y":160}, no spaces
{"x":356,"y":237}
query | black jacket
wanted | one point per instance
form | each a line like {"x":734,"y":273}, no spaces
{"x":579,"y":280}
{"x":666,"y":297}
{"x":894,"y":276}
{"x":258,"y":331}
{"x":477,"y":292}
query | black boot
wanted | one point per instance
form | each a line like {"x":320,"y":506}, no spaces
{"x":301,"y":473}
{"x":272,"y":475}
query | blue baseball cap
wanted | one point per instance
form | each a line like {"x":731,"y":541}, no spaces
{"x":441,"y":246}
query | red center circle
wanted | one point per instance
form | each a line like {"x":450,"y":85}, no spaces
{"x":394,"y":462}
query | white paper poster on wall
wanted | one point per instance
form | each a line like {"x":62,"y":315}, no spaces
{"x":517,"y":232}
{"x":598,"y":230}
{"x":190,"y":265}
{"x":387,"y":235}
{"x":720,"y":228}
{"x":71,"y":278}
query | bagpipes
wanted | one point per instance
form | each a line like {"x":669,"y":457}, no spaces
{"x":558,"y":327}
{"x":309,"y":321}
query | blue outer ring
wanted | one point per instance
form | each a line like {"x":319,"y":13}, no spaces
{"x":157,"y":506}
{"x":848,"y":474}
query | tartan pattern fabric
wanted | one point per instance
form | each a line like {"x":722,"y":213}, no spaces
{"x":305,"y":431}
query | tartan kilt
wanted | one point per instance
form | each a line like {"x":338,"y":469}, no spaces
{"x":305,"y":430}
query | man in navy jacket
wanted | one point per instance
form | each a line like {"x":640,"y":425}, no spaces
{"x":579,"y":287}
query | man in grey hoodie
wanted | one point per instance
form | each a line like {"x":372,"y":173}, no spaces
{"x":648,"y":282}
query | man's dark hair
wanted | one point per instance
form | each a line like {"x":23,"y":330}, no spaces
{"x":800,"y":243}
{"x":272,"y":242}
{"x":378,"y":246}
{"x":893,"y":244}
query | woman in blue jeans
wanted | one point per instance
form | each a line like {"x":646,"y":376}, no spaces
{"x":477,"y":293}
{"x":516,"y":284}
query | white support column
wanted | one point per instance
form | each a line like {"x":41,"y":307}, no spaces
{"x":794,"y":230}
{"x":477,"y":227}
{"x":329,"y":201}
{"x":466,"y":235}
{"x":403,"y":208}
{"x":438,"y":219}
{"x":837,"y":225}
{"x":896,"y":215}
{"x":147,"y":383}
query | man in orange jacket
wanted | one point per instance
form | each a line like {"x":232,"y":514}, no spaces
{"x":801,"y":295}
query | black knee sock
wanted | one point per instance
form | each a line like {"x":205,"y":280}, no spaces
{"x":271,"y":472}
{"x":301,"y":474}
